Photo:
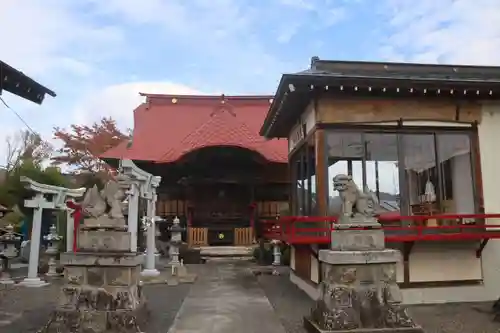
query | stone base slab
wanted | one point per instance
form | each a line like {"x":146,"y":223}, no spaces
{"x":105,"y":223}
{"x":353,"y":223}
{"x":104,"y":240}
{"x":359,"y":292}
{"x":107,"y":298}
{"x":311,"y":327}
{"x":359,"y":257}
{"x":360,"y":240}
{"x":101,"y":259}
{"x":33,"y":283}
{"x":150,"y":272}
{"x":70,"y":321}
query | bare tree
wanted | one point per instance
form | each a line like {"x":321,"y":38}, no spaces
{"x":26,"y":145}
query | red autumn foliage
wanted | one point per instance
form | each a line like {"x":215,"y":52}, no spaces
{"x":83,"y":144}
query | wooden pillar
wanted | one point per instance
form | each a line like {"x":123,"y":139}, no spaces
{"x":321,"y":173}
{"x":476,"y":173}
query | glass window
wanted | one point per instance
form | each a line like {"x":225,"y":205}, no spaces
{"x":409,"y":173}
{"x":456,"y":188}
{"x":420,"y":173}
{"x":303,"y":165}
{"x":345,"y":156}
{"x":382,"y":173}
{"x":296,"y":168}
{"x":310,"y":182}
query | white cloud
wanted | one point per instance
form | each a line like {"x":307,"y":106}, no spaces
{"x":61,"y":47}
{"x":45,"y":35}
{"x":445,"y":31}
{"x":118,"y":101}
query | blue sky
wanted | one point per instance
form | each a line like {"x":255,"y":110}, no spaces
{"x":97,"y":55}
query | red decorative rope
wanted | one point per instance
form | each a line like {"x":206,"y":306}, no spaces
{"x":77,"y":216}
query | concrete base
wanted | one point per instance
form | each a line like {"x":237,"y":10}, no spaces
{"x":7,"y":281}
{"x":226,"y":251}
{"x":150,"y":272}
{"x":359,"y":293}
{"x":311,"y":327}
{"x":66,"y":320}
{"x":33,"y":283}
{"x":102,"y":294}
{"x":357,"y":237}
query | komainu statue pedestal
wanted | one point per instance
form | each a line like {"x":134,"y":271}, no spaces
{"x":102,"y":293}
{"x":359,"y":291}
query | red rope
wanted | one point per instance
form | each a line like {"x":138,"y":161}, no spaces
{"x":77,"y":216}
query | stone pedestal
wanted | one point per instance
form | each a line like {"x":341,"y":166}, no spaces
{"x":359,"y":291}
{"x":102,"y":293}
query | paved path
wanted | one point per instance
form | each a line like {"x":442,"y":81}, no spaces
{"x":226,"y":298}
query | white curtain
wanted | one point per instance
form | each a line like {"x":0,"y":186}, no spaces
{"x":420,"y":153}
{"x":419,"y":150}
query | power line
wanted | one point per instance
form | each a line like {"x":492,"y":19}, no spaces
{"x":18,"y":116}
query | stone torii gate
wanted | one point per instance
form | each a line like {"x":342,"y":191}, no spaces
{"x":38,"y":203}
{"x":142,"y":185}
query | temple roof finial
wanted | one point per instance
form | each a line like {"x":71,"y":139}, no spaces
{"x":313,"y":61}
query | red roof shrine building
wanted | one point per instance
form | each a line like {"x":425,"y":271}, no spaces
{"x":218,"y":174}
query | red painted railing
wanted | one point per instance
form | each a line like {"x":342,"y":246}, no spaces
{"x":301,"y":229}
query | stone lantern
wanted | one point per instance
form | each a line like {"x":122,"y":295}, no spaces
{"x":8,"y":251}
{"x":276,"y":252}
{"x":175,"y":242}
{"x":53,"y":240}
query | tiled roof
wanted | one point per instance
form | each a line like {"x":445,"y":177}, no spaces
{"x":17,"y":83}
{"x":167,"y":127}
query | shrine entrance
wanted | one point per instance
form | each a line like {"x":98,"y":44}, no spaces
{"x":221,"y":186}
{"x":222,"y":208}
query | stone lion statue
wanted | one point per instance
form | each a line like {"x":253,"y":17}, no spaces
{"x":355,"y":203}
{"x":101,"y":207}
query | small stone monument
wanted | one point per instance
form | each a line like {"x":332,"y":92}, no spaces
{"x":175,"y":242}
{"x":53,"y":240}
{"x":359,"y":291}
{"x":8,"y":251}
{"x":276,"y":252}
{"x":102,"y":293}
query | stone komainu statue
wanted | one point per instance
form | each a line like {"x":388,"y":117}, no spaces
{"x":354,"y":202}
{"x":104,"y":205}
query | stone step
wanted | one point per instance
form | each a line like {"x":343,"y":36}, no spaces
{"x":226,"y":251}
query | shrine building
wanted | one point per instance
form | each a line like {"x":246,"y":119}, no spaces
{"x":219,"y":176}
{"x":423,"y":139}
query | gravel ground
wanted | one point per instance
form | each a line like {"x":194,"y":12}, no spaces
{"x":25,"y":310}
{"x":291,"y":304}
